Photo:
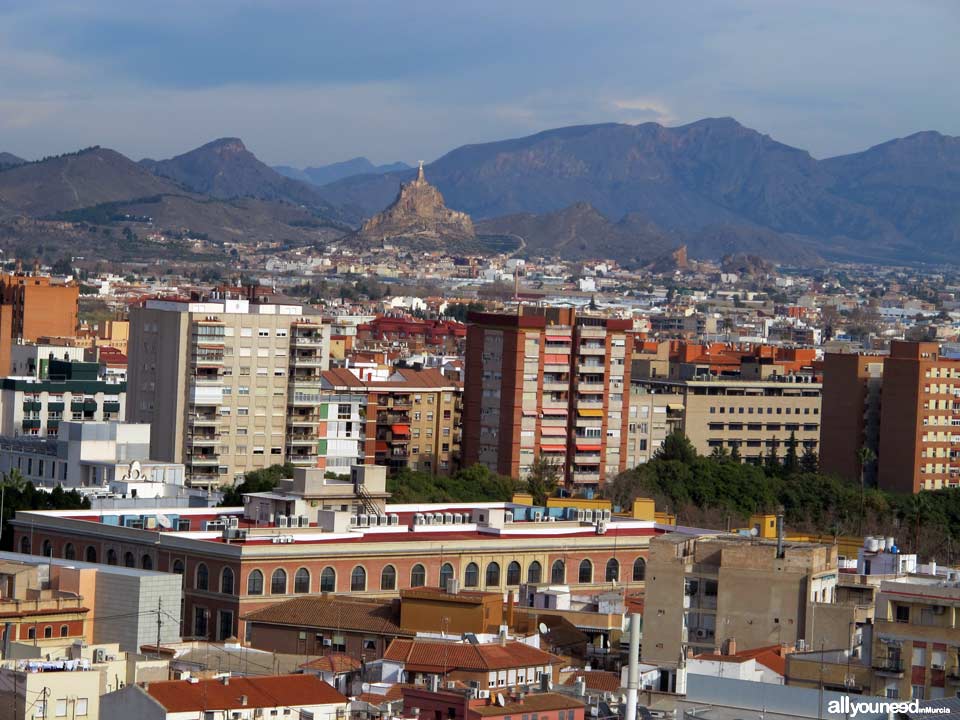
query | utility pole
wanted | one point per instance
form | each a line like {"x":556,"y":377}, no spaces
{"x":159,"y":624}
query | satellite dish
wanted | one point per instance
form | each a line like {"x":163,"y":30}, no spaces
{"x":500,"y":701}
{"x":754,"y":532}
{"x":365,"y":687}
{"x":544,"y":629}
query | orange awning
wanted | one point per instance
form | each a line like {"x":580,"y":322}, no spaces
{"x":553,"y":448}
{"x":400,"y":429}
{"x":590,"y":413}
{"x":554,"y":411}
{"x":588,"y":448}
{"x":381,"y":446}
{"x":559,"y":338}
{"x":553,"y":431}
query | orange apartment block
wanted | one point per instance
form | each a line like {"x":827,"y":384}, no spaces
{"x":34,"y":306}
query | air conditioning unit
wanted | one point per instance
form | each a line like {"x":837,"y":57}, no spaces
{"x":283,"y":521}
{"x":537,"y":516}
{"x":234,"y":521}
{"x":701,"y":633}
{"x":394,"y":519}
{"x":418,"y":519}
{"x":99,"y":654}
{"x":588,"y":515}
{"x":581,"y":515}
{"x":508,"y":517}
{"x":304,"y":521}
{"x":483,"y":694}
{"x":353,"y":521}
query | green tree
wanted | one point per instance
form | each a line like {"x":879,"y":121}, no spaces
{"x":791,"y":462}
{"x":256,"y":481}
{"x":771,"y":463}
{"x":543,"y":479}
{"x":809,"y":462}
{"x":676,"y":446}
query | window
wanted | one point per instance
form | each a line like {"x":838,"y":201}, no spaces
{"x":69,"y":552}
{"x":111,"y":556}
{"x":301,"y":581}
{"x":328,"y":580}
{"x":64,"y":630}
{"x":585,"y":574}
{"x":446,"y":575}
{"x":278,"y":582}
{"x":493,"y":575}
{"x":558,"y":573}
{"x":129,"y":560}
{"x":146,"y":562}
{"x":91,"y":554}
{"x":903,"y":613}
{"x":388,"y":578}
{"x":47,"y":548}
{"x":31,"y":633}
{"x":202,"y":577}
{"x":358,"y":579}
{"x":639,"y":569}
{"x":80,"y":707}
{"x":226,"y":581}
{"x":534,"y":572}
{"x":513,"y":573}
{"x":48,"y":631}
{"x":471,"y":577}
{"x":418,"y":576}
{"x":255,"y":583}
{"x":613,"y":570}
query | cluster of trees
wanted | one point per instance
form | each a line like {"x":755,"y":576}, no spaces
{"x":19,"y":494}
{"x":719,"y":491}
{"x":472,"y":484}
{"x":256,"y":481}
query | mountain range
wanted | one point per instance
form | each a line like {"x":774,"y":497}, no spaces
{"x":628,"y":192}
{"x":711,"y":178}
{"x":325,"y":174}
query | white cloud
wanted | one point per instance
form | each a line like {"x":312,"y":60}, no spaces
{"x":642,"y":109}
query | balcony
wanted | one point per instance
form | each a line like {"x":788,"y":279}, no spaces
{"x":301,"y":439}
{"x":306,"y":361}
{"x":556,"y":386}
{"x":302,"y":460}
{"x":591,"y":404}
{"x":586,"y":459}
{"x":301,"y":398}
{"x":314,"y":341}
{"x":203,"y":438}
{"x":591,"y":387}
{"x":202,"y":460}
{"x":888,"y":667}
{"x":207,"y":359}
{"x":198,"y":420}
{"x":590,"y":368}
{"x":586,"y":477}
{"x":202,"y":479}
{"x":304,"y":419}
{"x":592,"y":349}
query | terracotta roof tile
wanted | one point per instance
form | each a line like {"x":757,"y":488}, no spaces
{"x":534,"y":702}
{"x":426,"y":656}
{"x":333,"y":663}
{"x":179,"y":696}
{"x":334,"y":613}
{"x":597,"y":680}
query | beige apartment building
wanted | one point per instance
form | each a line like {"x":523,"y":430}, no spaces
{"x":753,"y":415}
{"x":702,"y":592}
{"x":916,"y":639}
{"x":228,"y":385}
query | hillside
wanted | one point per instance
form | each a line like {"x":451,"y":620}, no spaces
{"x":325,"y":174}
{"x":67,"y":182}
{"x":709,"y":174}
{"x":226,"y":169}
{"x":8,"y":160}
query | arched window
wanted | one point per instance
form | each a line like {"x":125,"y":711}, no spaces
{"x":178,"y":566}
{"x":513,"y":573}
{"x":255,"y":583}
{"x":534,"y":573}
{"x":91,"y":554}
{"x":64,"y":630}
{"x":111,"y":557}
{"x":203,"y":578}
{"x":558,"y":573}
{"x":129,"y":560}
{"x":47,"y":548}
{"x":48,"y":631}
{"x":69,"y":552}
{"x":418,"y":576}
{"x":278,"y":582}
{"x":586,"y":572}
{"x":388,"y":578}
{"x":31,"y":633}
{"x":613,"y":570}
{"x":446,"y":574}
{"x":328,"y":580}
{"x":25,"y":545}
{"x":146,"y":562}
{"x":226,"y":581}
{"x":358,"y":579}
{"x":493,"y":575}
{"x":301,"y":581}
{"x":471,"y":577}
{"x":639,"y":569}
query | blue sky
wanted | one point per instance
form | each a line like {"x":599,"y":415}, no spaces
{"x":315,"y":82}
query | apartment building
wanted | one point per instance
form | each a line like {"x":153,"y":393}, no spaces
{"x":410,"y":420}
{"x":228,"y":384}
{"x":916,"y":639}
{"x":851,"y":413}
{"x":549,"y":383}
{"x":702,"y":592}
{"x":70,"y":391}
{"x":34,"y":306}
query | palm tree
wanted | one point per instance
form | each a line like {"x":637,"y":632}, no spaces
{"x":865,"y":456}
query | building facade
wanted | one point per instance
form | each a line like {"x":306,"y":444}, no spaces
{"x":851,"y":413}
{"x":72,"y":391}
{"x":547,"y":383}
{"x":34,"y":306}
{"x":229,"y":385}
{"x":410,"y":420}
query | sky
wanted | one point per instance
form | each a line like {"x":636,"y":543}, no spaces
{"x":308,"y":82}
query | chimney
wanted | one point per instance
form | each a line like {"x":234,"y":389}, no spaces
{"x":225,"y":679}
{"x":503,"y":635}
{"x":243,"y":700}
{"x":510,"y":609}
{"x":780,"y":534}
{"x":146,"y":686}
{"x":731,"y":646}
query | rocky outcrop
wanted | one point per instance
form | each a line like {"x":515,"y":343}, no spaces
{"x":418,"y":213}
